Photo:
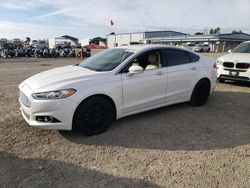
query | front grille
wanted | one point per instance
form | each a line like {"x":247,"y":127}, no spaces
{"x":24,"y":99}
{"x":242,"y":65}
{"x":228,"y":64}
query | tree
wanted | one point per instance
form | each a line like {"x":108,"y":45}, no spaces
{"x":215,"y":31}
{"x":211,"y":31}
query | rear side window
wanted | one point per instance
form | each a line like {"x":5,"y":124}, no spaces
{"x":180,"y":57}
{"x":177,"y":57}
{"x":193,"y":57}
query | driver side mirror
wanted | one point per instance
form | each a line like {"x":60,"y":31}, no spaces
{"x":135,"y":69}
{"x":229,"y":51}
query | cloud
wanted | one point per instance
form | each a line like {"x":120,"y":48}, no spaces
{"x":145,"y":13}
{"x":52,"y":13}
{"x":13,"y":6}
{"x":27,"y":5}
{"x":35,"y":31}
{"x":86,"y":18}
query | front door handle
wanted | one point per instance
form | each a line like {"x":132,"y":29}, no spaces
{"x":193,"y":68}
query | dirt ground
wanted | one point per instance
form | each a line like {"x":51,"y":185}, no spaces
{"x":176,"y":146}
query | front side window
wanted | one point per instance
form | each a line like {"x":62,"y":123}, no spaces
{"x":242,"y":48}
{"x":148,"y":61}
{"x":106,"y":60}
{"x":177,"y":57}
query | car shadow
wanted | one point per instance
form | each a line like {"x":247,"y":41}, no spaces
{"x":238,"y":83}
{"x":26,"y":172}
{"x":222,"y":123}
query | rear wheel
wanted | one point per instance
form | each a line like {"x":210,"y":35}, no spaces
{"x":200,"y":93}
{"x":94,"y":116}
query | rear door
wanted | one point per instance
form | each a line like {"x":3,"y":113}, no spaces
{"x":182,"y":73}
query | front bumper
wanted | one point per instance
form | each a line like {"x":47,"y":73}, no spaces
{"x":233,"y":73}
{"x":61,"y":109}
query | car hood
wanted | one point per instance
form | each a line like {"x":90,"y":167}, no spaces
{"x":232,"y":57}
{"x":59,"y":78}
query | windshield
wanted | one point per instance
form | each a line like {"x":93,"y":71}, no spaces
{"x":106,"y":60}
{"x":242,"y":48}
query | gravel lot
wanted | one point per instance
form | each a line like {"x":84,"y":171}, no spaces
{"x":176,"y":146}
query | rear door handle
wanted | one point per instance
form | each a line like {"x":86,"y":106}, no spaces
{"x":193,"y":68}
{"x":159,"y":73}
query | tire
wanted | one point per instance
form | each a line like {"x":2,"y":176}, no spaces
{"x":221,"y":80}
{"x":200,"y":93}
{"x":94,"y":116}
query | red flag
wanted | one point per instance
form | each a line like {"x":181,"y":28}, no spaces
{"x":111,"y":23}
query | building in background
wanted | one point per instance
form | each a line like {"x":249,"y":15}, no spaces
{"x":39,"y":44}
{"x":97,"y":41}
{"x":124,"y":39}
{"x":64,"y":41}
{"x":217,"y":42}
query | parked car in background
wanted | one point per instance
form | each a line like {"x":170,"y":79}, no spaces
{"x":86,"y":51}
{"x":235,"y":65}
{"x":188,"y":46}
{"x":113,"y":84}
{"x":202,"y":48}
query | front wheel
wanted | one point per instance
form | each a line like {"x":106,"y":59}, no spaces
{"x":94,"y":116}
{"x":200,"y":93}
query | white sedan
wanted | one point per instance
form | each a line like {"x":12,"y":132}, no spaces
{"x":113,"y":84}
{"x":236,"y":64}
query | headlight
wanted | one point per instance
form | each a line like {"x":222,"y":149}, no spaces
{"x":58,"y":94}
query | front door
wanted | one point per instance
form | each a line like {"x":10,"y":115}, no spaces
{"x":147,"y":89}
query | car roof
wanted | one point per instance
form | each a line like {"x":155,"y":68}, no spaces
{"x":143,"y":47}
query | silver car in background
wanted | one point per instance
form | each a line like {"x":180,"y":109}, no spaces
{"x":188,"y":46}
{"x":202,"y":48}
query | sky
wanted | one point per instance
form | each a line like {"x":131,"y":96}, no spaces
{"x":40,"y":19}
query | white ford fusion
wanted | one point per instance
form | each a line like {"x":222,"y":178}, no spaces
{"x":113,"y":84}
{"x":236,"y":64}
